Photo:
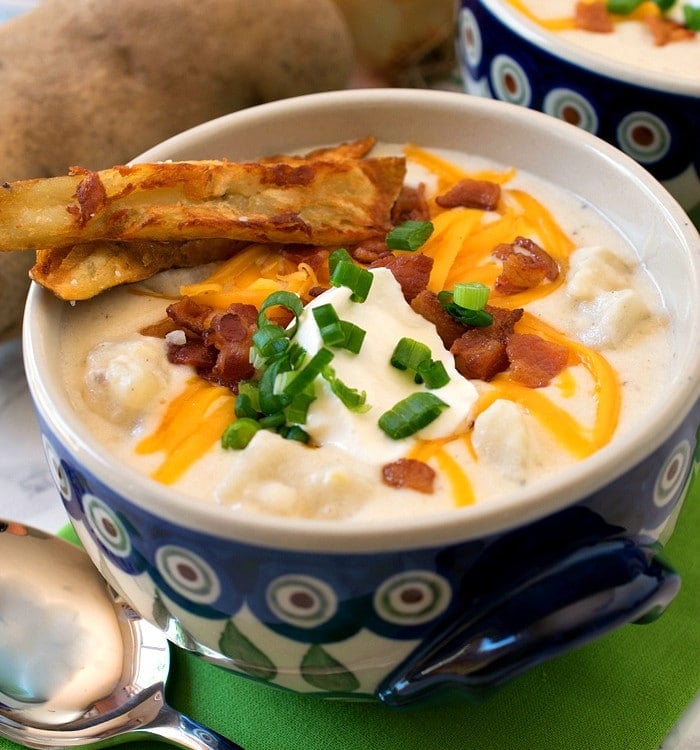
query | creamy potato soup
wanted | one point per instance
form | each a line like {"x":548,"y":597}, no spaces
{"x":396,"y":423}
{"x":638,"y":39}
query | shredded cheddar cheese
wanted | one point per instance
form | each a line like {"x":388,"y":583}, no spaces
{"x":192,"y":424}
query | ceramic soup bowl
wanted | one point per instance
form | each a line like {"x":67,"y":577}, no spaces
{"x":399,"y":608}
{"x":642,"y":105}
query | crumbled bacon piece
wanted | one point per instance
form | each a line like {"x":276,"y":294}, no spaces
{"x":411,"y":205}
{"x":479,"y":356}
{"x":480,"y":353}
{"x":189,"y":315}
{"x":217,"y":345}
{"x":411,"y":270}
{"x":525,"y":266}
{"x":535,"y":361}
{"x":370,"y":251}
{"x":427,"y":304}
{"x":193,"y":353}
{"x":593,"y":16}
{"x":504,"y":321}
{"x":666,"y":30}
{"x":410,"y":473}
{"x":471,"y":193}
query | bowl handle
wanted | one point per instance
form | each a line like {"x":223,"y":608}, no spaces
{"x":553,"y":610}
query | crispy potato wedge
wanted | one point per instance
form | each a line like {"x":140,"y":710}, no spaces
{"x":81,"y":271}
{"x":312,"y":201}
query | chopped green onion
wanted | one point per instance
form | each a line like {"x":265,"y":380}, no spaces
{"x":281,"y":299}
{"x":239,"y":433}
{"x":297,"y":410}
{"x":665,"y":5}
{"x":410,"y":235}
{"x":471,"y":294}
{"x":623,"y":7}
{"x":272,"y":421}
{"x":336,"y":256}
{"x":328,"y":324}
{"x":413,"y":355}
{"x":351,"y":398}
{"x":411,"y":414}
{"x":464,"y":315}
{"x":433,"y":373}
{"x":309,"y":372}
{"x":408,"y":354}
{"x":354,"y":336}
{"x":357,"y":279}
{"x":244,"y":407}
{"x":691,"y":16}
{"x":270,"y":401}
{"x":270,"y":340}
{"x":336,"y":332}
{"x":294,"y":432}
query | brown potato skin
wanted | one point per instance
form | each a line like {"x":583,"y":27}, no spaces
{"x":96,"y":83}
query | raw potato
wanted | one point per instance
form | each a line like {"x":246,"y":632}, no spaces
{"x":95,"y":83}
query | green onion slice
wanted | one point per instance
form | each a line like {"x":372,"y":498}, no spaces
{"x":294,"y":432}
{"x":329,"y":325}
{"x":410,"y":235}
{"x":464,"y":315}
{"x":281,"y":299}
{"x":336,"y":256}
{"x":691,"y":15}
{"x":471,"y":294}
{"x":308,"y":373}
{"x":239,"y":433}
{"x":411,"y":414}
{"x":408,"y":354}
{"x":432,"y":373}
{"x":357,"y":279}
{"x":351,"y":398}
{"x":270,"y":340}
{"x":623,"y":7}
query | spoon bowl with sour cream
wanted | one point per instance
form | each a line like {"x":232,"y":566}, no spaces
{"x":77,"y":665}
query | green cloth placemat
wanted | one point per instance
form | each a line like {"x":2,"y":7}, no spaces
{"x":623,"y":692}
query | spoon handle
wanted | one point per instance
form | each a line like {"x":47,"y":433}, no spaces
{"x":175,"y":728}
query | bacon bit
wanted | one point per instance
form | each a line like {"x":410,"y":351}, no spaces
{"x":218,"y":344}
{"x":427,"y":304}
{"x":410,"y":473}
{"x":593,"y":17}
{"x":525,"y":266}
{"x":479,"y":356}
{"x":411,"y":204}
{"x":504,"y":321}
{"x":535,"y":361}
{"x":370,"y":251}
{"x":189,"y":315}
{"x":666,"y":30}
{"x":195,"y":354}
{"x":470,"y":193}
{"x":411,"y":270}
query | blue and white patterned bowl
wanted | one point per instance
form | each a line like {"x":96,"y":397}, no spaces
{"x":397,"y":610}
{"x":652,"y":117}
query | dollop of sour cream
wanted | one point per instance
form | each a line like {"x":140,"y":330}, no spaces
{"x":386,"y":318}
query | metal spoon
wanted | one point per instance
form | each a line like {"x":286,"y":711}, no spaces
{"x":134,"y":707}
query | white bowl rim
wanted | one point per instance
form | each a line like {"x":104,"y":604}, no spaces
{"x":481,"y":519}
{"x":552,"y":43}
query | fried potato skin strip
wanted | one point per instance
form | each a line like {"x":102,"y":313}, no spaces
{"x":338,"y":201}
{"x":81,"y":271}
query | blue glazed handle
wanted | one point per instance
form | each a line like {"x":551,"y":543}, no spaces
{"x":576,"y":599}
